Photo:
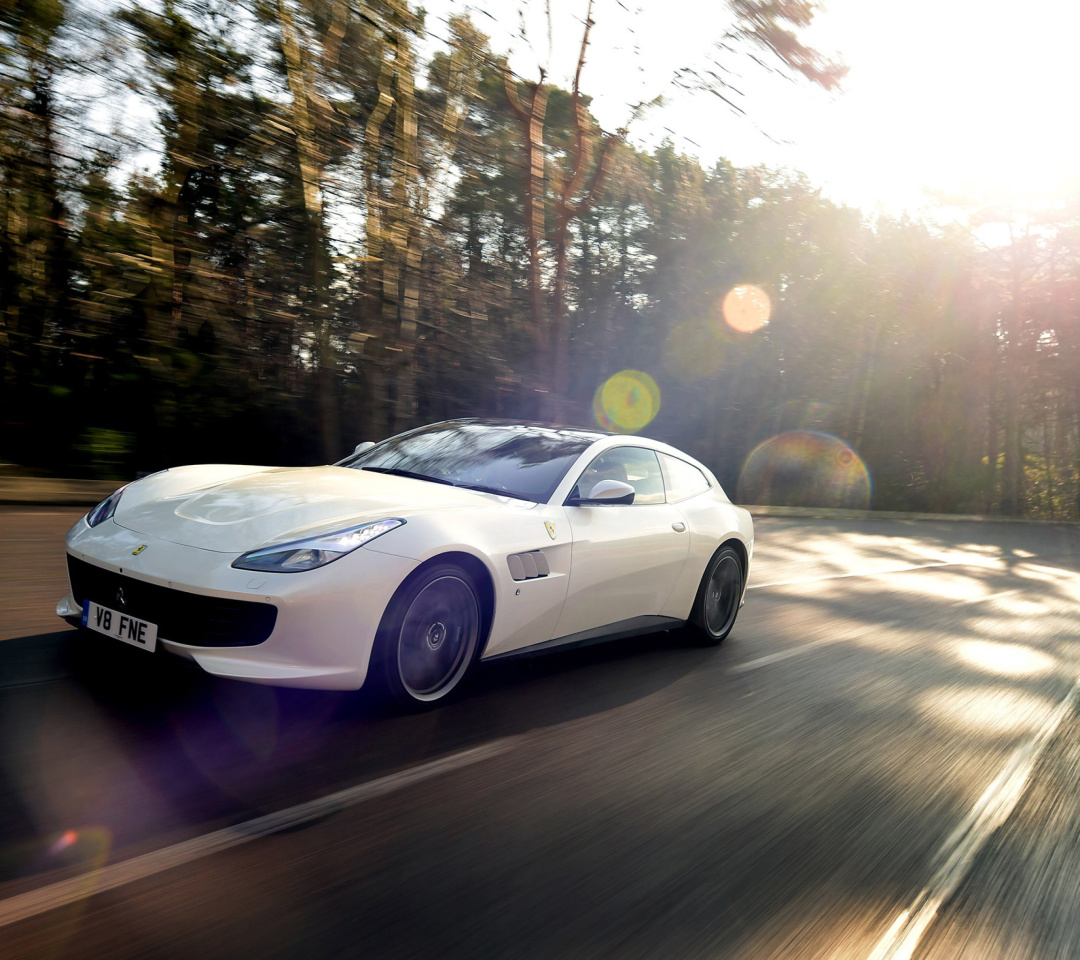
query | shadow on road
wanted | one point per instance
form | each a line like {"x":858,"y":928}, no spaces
{"x":145,"y":750}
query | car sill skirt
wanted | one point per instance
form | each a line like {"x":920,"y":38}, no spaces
{"x":620,"y":630}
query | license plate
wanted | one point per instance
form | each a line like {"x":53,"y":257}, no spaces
{"x":119,"y":626}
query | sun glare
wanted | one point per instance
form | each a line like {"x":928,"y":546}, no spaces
{"x":977,"y":115}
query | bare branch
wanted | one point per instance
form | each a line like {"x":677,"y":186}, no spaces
{"x":577,"y":172}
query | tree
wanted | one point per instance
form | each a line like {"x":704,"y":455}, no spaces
{"x":35,"y":251}
{"x":573,"y":187}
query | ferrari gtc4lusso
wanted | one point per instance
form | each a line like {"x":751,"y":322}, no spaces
{"x":406,"y":562}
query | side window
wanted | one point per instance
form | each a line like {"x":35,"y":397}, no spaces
{"x":682,"y":479}
{"x":633,"y":465}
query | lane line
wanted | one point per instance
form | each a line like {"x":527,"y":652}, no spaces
{"x":44,"y":899}
{"x":776,"y":657}
{"x":802,"y":648}
{"x":844,"y":576}
{"x":958,"y":852}
{"x":993,"y":596}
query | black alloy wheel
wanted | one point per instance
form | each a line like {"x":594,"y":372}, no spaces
{"x":429,"y":636}
{"x":721,"y":590}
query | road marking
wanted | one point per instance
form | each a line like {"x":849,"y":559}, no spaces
{"x":958,"y":852}
{"x":775,"y":657}
{"x":993,"y":596}
{"x":873,"y":573}
{"x":34,"y":902}
{"x":802,"y":648}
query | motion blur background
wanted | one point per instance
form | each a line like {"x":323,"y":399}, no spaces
{"x":265,"y":230}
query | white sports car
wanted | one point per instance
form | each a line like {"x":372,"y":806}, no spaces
{"x":405,"y":562}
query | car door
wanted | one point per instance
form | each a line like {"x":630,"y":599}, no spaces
{"x":625,"y":557}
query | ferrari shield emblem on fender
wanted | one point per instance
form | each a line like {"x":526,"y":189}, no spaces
{"x":550,"y":528}
{"x":139,"y":549}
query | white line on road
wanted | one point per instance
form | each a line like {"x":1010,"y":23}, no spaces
{"x":959,"y":851}
{"x":802,"y":648}
{"x":34,"y":902}
{"x":872,"y":573}
{"x":993,"y":596}
{"x":775,"y":657}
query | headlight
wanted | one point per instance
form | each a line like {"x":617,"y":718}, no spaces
{"x":105,"y":509}
{"x":315,"y":551}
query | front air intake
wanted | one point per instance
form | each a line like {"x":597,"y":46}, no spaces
{"x":181,"y":617}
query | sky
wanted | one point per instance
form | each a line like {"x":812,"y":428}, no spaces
{"x":943,"y":97}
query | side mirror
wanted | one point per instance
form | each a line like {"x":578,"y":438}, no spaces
{"x":362,"y":447}
{"x":606,"y":492}
{"x":612,"y":491}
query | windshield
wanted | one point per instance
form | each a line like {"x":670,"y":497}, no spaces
{"x":525,"y":461}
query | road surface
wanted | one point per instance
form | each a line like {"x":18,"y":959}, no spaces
{"x":883,"y":760}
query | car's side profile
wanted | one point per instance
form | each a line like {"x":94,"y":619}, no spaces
{"x":408,"y":561}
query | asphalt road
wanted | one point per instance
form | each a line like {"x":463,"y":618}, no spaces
{"x":882,"y":760}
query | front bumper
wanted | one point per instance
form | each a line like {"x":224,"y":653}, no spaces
{"x":325,"y":623}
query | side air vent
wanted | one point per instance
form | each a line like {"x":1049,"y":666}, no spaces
{"x":528,"y":566}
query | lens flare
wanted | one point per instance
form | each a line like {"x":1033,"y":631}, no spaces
{"x":67,"y":839}
{"x":805,"y":469}
{"x":746,"y":308}
{"x":626,"y":402}
{"x":693,"y":352}
{"x":89,"y":847}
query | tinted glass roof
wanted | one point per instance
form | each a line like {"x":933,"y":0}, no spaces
{"x":545,"y":429}
{"x":508,"y":457}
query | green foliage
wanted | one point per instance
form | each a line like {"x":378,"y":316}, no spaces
{"x":329,"y":249}
{"x":106,"y":451}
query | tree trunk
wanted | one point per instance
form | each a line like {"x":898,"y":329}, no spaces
{"x":376,"y":249}
{"x":404,"y":272}
{"x":531,"y":118}
{"x":310,"y":161}
{"x":1011,"y":502}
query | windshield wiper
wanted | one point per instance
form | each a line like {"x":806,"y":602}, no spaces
{"x":397,"y":472}
{"x":499,"y":493}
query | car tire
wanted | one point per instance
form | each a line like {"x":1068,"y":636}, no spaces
{"x":429,"y":637}
{"x":717,"y":603}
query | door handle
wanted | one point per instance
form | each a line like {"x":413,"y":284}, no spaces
{"x":678,"y":526}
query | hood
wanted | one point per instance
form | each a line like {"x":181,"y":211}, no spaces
{"x":267,"y":505}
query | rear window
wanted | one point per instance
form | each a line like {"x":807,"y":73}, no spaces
{"x":682,"y":479}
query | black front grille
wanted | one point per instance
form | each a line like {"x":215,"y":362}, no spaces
{"x":180,"y":616}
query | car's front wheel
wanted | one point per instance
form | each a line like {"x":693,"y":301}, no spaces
{"x":429,"y":636}
{"x":717,"y":602}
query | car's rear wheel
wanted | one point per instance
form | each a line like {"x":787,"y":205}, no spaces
{"x":717,"y":602}
{"x":429,"y":636}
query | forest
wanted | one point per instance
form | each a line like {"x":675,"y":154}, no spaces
{"x":263,"y":231}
